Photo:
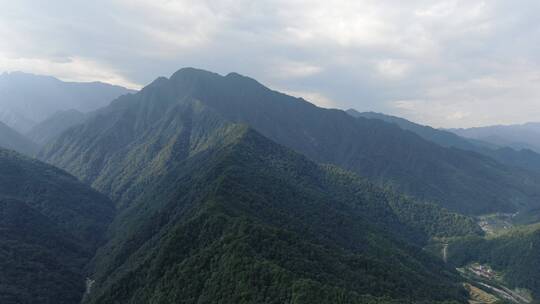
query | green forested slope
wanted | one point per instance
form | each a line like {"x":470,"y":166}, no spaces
{"x":458,"y":180}
{"x":248,"y":221}
{"x":50,"y":226}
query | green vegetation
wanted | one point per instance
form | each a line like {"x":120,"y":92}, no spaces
{"x":50,"y":226}
{"x":248,"y":221}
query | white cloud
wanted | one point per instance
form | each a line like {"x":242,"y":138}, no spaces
{"x":455,"y":56}
{"x":289,"y":69}
{"x":390,"y":68}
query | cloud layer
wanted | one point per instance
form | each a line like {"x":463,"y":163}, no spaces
{"x":443,"y":63}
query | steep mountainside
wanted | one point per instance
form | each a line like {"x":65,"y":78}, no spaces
{"x":240,"y":219}
{"x":27,"y":99}
{"x":55,"y":125}
{"x":458,"y":180}
{"x":50,"y":227}
{"x":11,"y":139}
{"x":521,"y":158}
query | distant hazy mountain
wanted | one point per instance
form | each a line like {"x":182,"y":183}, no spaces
{"x":50,"y":227}
{"x":443,"y":138}
{"x":521,"y":158}
{"x":11,"y":139}
{"x":459,"y":180}
{"x":525,"y":136}
{"x":53,"y":126}
{"x":27,"y":99}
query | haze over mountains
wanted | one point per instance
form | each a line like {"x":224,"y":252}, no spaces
{"x":13,"y":140}
{"x":53,"y":126}
{"x":27,"y":99}
{"x":221,"y":190}
{"x":524,"y":136}
{"x":513,"y":156}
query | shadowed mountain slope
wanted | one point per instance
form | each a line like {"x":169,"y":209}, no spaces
{"x":50,"y":227}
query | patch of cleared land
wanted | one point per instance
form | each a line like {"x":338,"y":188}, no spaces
{"x":490,"y":282}
{"x":496,"y":223}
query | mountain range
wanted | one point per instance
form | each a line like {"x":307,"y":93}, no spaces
{"x":458,"y":180}
{"x":524,"y":136}
{"x":217,"y":189}
{"x":22,"y":108}
{"x":522,"y":158}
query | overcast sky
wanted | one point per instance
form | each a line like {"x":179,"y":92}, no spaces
{"x":442,"y":63}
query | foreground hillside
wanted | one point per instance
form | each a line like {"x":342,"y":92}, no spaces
{"x":458,"y":180}
{"x":50,"y":227}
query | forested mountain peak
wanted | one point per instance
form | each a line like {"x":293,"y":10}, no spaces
{"x":465,"y":181}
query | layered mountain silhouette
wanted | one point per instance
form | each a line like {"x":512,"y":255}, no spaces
{"x":524,"y":136}
{"x":106,"y":146}
{"x":516,"y":157}
{"x":28,"y":99}
{"x":50,"y":227}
